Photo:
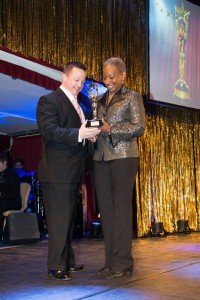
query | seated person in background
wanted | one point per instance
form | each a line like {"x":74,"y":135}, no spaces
{"x":10,"y":197}
{"x":19,"y":168}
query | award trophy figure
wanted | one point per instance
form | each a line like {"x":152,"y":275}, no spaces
{"x":93,"y":95}
{"x":181,"y":89}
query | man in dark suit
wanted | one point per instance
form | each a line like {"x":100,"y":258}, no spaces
{"x":63,"y":129}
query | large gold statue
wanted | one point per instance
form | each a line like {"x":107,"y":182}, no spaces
{"x":181,"y":89}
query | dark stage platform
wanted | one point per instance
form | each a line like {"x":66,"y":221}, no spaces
{"x":164,"y":268}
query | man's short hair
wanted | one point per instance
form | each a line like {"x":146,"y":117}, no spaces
{"x":3,"y":157}
{"x":73,"y":64}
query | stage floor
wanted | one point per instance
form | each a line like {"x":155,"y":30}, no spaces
{"x":164,"y":268}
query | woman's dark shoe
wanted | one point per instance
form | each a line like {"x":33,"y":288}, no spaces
{"x":120,"y":274}
{"x":104,"y":271}
{"x":76,"y":268}
{"x":59,"y":275}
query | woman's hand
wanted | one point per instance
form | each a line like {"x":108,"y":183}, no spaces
{"x":93,"y":139}
{"x":106,"y":127}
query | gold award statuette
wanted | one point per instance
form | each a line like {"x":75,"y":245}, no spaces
{"x":181,"y":89}
{"x":93,"y":95}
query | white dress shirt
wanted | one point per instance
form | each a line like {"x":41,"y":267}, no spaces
{"x":73,"y":101}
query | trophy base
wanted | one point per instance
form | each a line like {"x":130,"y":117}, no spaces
{"x":181,"y":90}
{"x":94,"y":123}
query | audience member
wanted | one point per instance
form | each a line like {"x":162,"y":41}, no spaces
{"x":10,"y":197}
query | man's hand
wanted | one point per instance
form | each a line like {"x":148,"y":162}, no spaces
{"x":89,"y":133}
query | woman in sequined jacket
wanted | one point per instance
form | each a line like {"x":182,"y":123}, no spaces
{"x":115,"y":166}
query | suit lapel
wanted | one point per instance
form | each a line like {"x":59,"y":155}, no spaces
{"x":119,"y":96}
{"x":70,"y":106}
{"x":103,"y":99}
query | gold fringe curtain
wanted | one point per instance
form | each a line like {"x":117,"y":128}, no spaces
{"x":168,"y":182}
{"x":59,"y":31}
{"x":91,"y":31}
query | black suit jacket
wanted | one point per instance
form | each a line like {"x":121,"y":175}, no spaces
{"x":62,"y":154}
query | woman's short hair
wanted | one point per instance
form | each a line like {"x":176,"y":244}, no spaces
{"x":116,"y":61}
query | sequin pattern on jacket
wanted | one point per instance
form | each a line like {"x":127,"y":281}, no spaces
{"x":126,"y":116}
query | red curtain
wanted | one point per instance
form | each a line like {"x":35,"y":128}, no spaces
{"x":27,"y":74}
{"x":4,"y":142}
{"x":29,"y":150}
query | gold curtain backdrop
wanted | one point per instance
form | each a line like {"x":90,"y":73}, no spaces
{"x":59,"y":31}
{"x":167,"y":183}
{"x":91,"y":31}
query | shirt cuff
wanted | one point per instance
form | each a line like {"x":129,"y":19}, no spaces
{"x":79,"y":138}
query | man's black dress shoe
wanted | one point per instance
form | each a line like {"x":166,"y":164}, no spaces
{"x":59,"y":275}
{"x":104,"y":271}
{"x":120,"y":274}
{"x":76,"y":268}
